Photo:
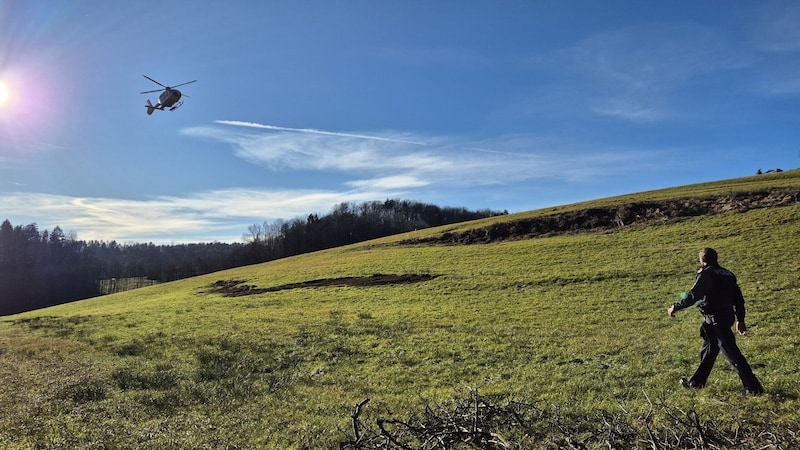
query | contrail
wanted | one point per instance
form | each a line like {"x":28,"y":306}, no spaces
{"x":237,"y":123}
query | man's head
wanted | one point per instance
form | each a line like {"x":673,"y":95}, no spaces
{"x":708,"y":256}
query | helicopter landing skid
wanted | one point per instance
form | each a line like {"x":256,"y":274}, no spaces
{"x":176,"y":106}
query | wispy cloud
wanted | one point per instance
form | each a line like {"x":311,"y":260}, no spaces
{"x":392,"y":182}
{"x":636,"y":72}
{"x":441,"y":162}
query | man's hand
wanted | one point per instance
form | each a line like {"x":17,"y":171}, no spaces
{"x":671,"y":311}
{"x":741,"y":328}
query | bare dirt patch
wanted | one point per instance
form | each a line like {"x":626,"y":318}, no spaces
{"x":237,"y":288}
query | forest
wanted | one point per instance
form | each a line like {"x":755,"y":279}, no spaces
{"x":41,"y":268}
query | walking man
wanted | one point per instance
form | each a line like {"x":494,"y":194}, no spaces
{"x":720,"y":301}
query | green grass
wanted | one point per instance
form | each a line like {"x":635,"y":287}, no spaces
{"x":577,"y":321}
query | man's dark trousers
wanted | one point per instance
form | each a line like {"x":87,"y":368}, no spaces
{"x":718,"y":337}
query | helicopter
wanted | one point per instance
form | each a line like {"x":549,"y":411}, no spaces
{"x":170,"y":98}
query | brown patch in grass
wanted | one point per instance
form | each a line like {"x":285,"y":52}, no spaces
{"x":237,"y":288}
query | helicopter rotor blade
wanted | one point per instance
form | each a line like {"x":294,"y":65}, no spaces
{"x":183,"y":83}
{"x":156,"y":82}
{"x":157,"y":90}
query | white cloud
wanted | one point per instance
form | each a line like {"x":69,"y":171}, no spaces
{"x":389,"y":183}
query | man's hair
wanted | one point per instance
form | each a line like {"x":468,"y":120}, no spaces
{"x":709,"y":255}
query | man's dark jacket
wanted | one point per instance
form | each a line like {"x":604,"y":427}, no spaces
{"x":717,"y":295}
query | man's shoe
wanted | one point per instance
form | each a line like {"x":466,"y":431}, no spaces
{"x":689,"y":384}
{"x":754,"y":392}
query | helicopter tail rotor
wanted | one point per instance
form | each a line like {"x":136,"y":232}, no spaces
{"x":150,"y":108}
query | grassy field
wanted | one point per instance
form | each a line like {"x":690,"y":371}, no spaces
{"x":575,"y":322}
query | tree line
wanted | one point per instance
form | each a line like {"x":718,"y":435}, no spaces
{"x":50,"y":267}
{"x":349,"y":223}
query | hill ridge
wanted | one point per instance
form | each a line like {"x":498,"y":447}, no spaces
{"x":605,"y":218}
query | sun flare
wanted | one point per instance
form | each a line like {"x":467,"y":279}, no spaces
{"x":3,"y":93}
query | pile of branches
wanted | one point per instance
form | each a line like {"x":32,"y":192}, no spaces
{"x":480,"y":422}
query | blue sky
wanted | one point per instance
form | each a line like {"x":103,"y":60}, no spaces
{"x":302,"y":105}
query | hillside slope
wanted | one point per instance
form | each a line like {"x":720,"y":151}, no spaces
{"x":738,"y":194}
{"x":624,"y":214}
{"x":276,"y":355}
